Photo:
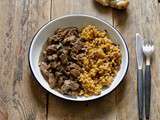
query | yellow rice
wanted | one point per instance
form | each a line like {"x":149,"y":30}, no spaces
{"x":102,"y":61}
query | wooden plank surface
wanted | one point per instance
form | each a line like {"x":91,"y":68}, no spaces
{"x":143,"y":17}
{"x":21,"y":98}
{"x":64,"y":7}
{"x":20,"y":95}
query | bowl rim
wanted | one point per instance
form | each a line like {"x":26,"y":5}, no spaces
{"x":79,"y":15}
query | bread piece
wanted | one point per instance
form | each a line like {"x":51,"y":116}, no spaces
{"x":104,"y":2}
{"x":118,"y":4}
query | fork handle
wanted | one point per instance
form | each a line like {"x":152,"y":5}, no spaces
{"x":147,"y":90}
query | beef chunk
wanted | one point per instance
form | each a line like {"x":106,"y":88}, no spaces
{"x":72,"y":31}
{"x":54,"y":39}
{"x":61,"y":32}
{"x":73,"y":56}
{"x":44,"y":69}
{"x":58,"y":74}
{"x":52,"y":80}
{"x":59,"y":68}
{"x":75,"y":73}
{"x":60,"y":82}
{"x":51,"y":49}
{"x":77,"y":47}
{"x":74,"y":69}
{"x":69,"y":40}
{"x":69,"y":85}
{"x":55,"y":65}
{"x":66,"y":73}
{"x":63,"y":55}
{"x":64,"y":58}
{"x":60,"y":78}
{"x":73,"y":66}
{"x":80,"y":56}
{"x":59,"y":46}
{"x":75,"y":51}
{"x":52,"y":57}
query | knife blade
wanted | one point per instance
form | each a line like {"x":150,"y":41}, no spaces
{"x":140,"y":88}
{"x":139,"y":52}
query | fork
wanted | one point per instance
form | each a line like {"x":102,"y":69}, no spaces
{"x":148,"y":49}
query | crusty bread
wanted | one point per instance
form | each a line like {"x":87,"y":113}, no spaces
{"x":118,"y":4}
{"x":104,"y":2}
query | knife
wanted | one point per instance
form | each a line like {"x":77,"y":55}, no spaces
{"x":139,"y":55}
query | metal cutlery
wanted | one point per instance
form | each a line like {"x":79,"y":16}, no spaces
{"x":139,"y":54}
{"x":148,"y":49}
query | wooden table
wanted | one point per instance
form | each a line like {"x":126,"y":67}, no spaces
{"x":21,"y":98}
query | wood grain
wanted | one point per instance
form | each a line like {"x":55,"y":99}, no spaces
{"x":143,"y":17}
{"x":19,"y":20}
{"x":90,"y":7}
{"x":21,"y":98}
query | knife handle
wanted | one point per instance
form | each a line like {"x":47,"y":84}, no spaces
{"x":147,"y":90}
{"x":140,"y":92}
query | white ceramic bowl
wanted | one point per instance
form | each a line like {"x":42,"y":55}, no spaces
{"x":78,"y":21}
